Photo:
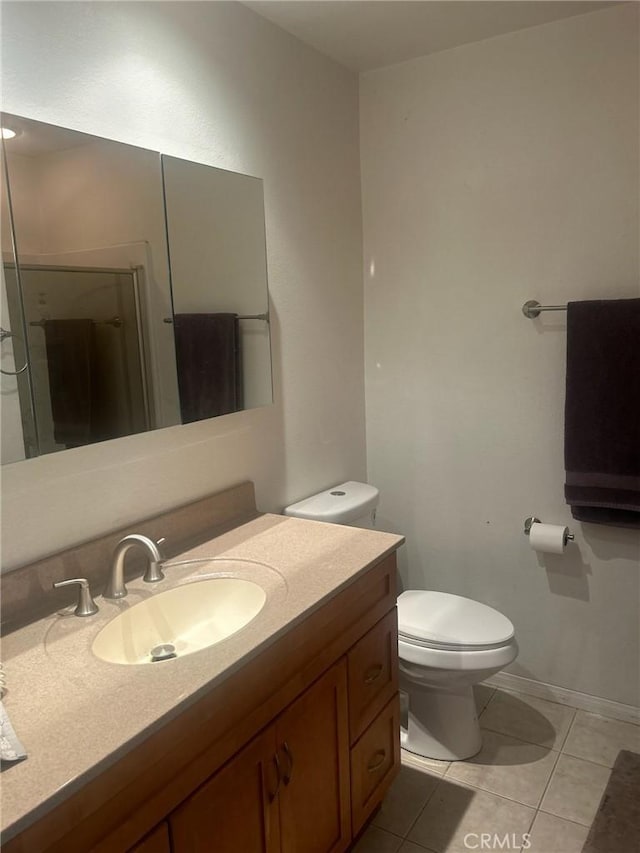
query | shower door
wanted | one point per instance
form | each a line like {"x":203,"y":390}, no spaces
{"x":86,"y":352}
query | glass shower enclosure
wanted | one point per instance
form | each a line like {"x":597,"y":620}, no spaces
{"x":84,"y":341}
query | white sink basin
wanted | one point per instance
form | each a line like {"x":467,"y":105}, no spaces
{"x":180,"y":621}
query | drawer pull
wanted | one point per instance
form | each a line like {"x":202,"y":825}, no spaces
{"x":373,"y":673}
{"x":289,"y":771}
{"x":378,"y":760}
{"x":274,"y":794}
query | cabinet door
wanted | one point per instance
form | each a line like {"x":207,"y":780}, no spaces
{"x":237,"y":809}
{"x":313,"y":748}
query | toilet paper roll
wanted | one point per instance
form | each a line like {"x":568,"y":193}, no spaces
{"x":548,"y":538}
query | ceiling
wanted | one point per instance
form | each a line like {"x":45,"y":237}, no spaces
{"x":366,"y":34}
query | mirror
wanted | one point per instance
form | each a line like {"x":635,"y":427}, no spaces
{"x":16,"y":409}
{"x":89,"y":306}
{"x":215,"y":226}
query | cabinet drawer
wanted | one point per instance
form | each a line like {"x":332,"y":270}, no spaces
{"x":375,"y":760}
{"x":373,"y":673}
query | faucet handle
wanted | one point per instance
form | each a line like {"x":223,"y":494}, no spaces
{"x":154,"y":571}
{"x":86,"y":605}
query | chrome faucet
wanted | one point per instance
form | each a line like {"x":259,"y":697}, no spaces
{"x":115,"y":587}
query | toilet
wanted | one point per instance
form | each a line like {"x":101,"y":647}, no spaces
{"x":446,"y":643}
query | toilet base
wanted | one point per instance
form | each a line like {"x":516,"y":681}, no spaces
{"x":442,"y":723}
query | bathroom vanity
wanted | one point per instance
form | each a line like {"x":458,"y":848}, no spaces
{"x":284,"y":736}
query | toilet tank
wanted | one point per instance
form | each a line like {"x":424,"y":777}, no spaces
{"x":349,"y":503}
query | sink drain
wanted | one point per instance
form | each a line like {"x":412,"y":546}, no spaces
{"x":165,"y":651}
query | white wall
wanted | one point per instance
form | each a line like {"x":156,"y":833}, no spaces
{"x":494,"y":173}
{"x":214,"y":83}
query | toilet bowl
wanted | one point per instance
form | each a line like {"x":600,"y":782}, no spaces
{"x":446,"y":643}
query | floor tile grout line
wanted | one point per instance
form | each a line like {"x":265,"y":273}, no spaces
{"x":488,"y":702}
{"x":519,"y":693}
{"x":536,"y":812}
{"x":389,"y":831}
{"x":553,"y":748}
{"x":568,"y":819}
{"x":480,"y":790}
{"x":573,"y":722}
{"x":561,"y":749}
{"x":569,"y":727}
{"x":426,"y":803}
{"x":546,"y":787}
{"x":587,"y":760}
{"x":512,"y":737}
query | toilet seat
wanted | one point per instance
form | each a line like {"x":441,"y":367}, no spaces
{"x":440,"y":620}
{"x":460,"y":660}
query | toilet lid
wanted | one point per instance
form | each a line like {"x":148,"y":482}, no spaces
{"x":445,"y":620}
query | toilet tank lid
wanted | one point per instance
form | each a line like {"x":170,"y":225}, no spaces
{"x":440,"y":618}
{"x":340,"y":504}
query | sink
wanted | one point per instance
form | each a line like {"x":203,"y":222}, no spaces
{"x":180,"y":621}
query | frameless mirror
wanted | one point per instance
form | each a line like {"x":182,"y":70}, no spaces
{"x":215,"y":225}
{"x":16,"y":413}
{"x":90,"y":303}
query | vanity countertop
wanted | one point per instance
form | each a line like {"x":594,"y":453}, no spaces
{"x":76,"y":715}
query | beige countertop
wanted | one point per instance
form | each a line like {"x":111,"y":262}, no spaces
{"x":76,"y":714}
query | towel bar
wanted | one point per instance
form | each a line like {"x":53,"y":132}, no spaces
{"x":264,"y":317}
{"x":532,"y":308}
{"x":112,"y":321}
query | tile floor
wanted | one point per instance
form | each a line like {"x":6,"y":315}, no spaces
{"x":542,"y":770}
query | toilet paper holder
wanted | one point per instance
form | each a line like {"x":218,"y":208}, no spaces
{"x":528,"y":522}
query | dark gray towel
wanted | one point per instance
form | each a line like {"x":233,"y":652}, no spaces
{"x":70,"y":346}
{"x":602,"y":412}
{"x":209,"y":365}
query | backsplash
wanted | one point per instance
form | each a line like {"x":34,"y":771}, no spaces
{"x":27,"y":592}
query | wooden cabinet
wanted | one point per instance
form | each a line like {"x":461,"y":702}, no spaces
{"x":287,"y":790}
{"x":313,"y":744}
{"x":373,"y":673}
{"x":290,"y":754}
{"x":236,"y":809}
{"x":374,"y":717}
{"x":375,"y":760}
{"x":298,"y":787}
